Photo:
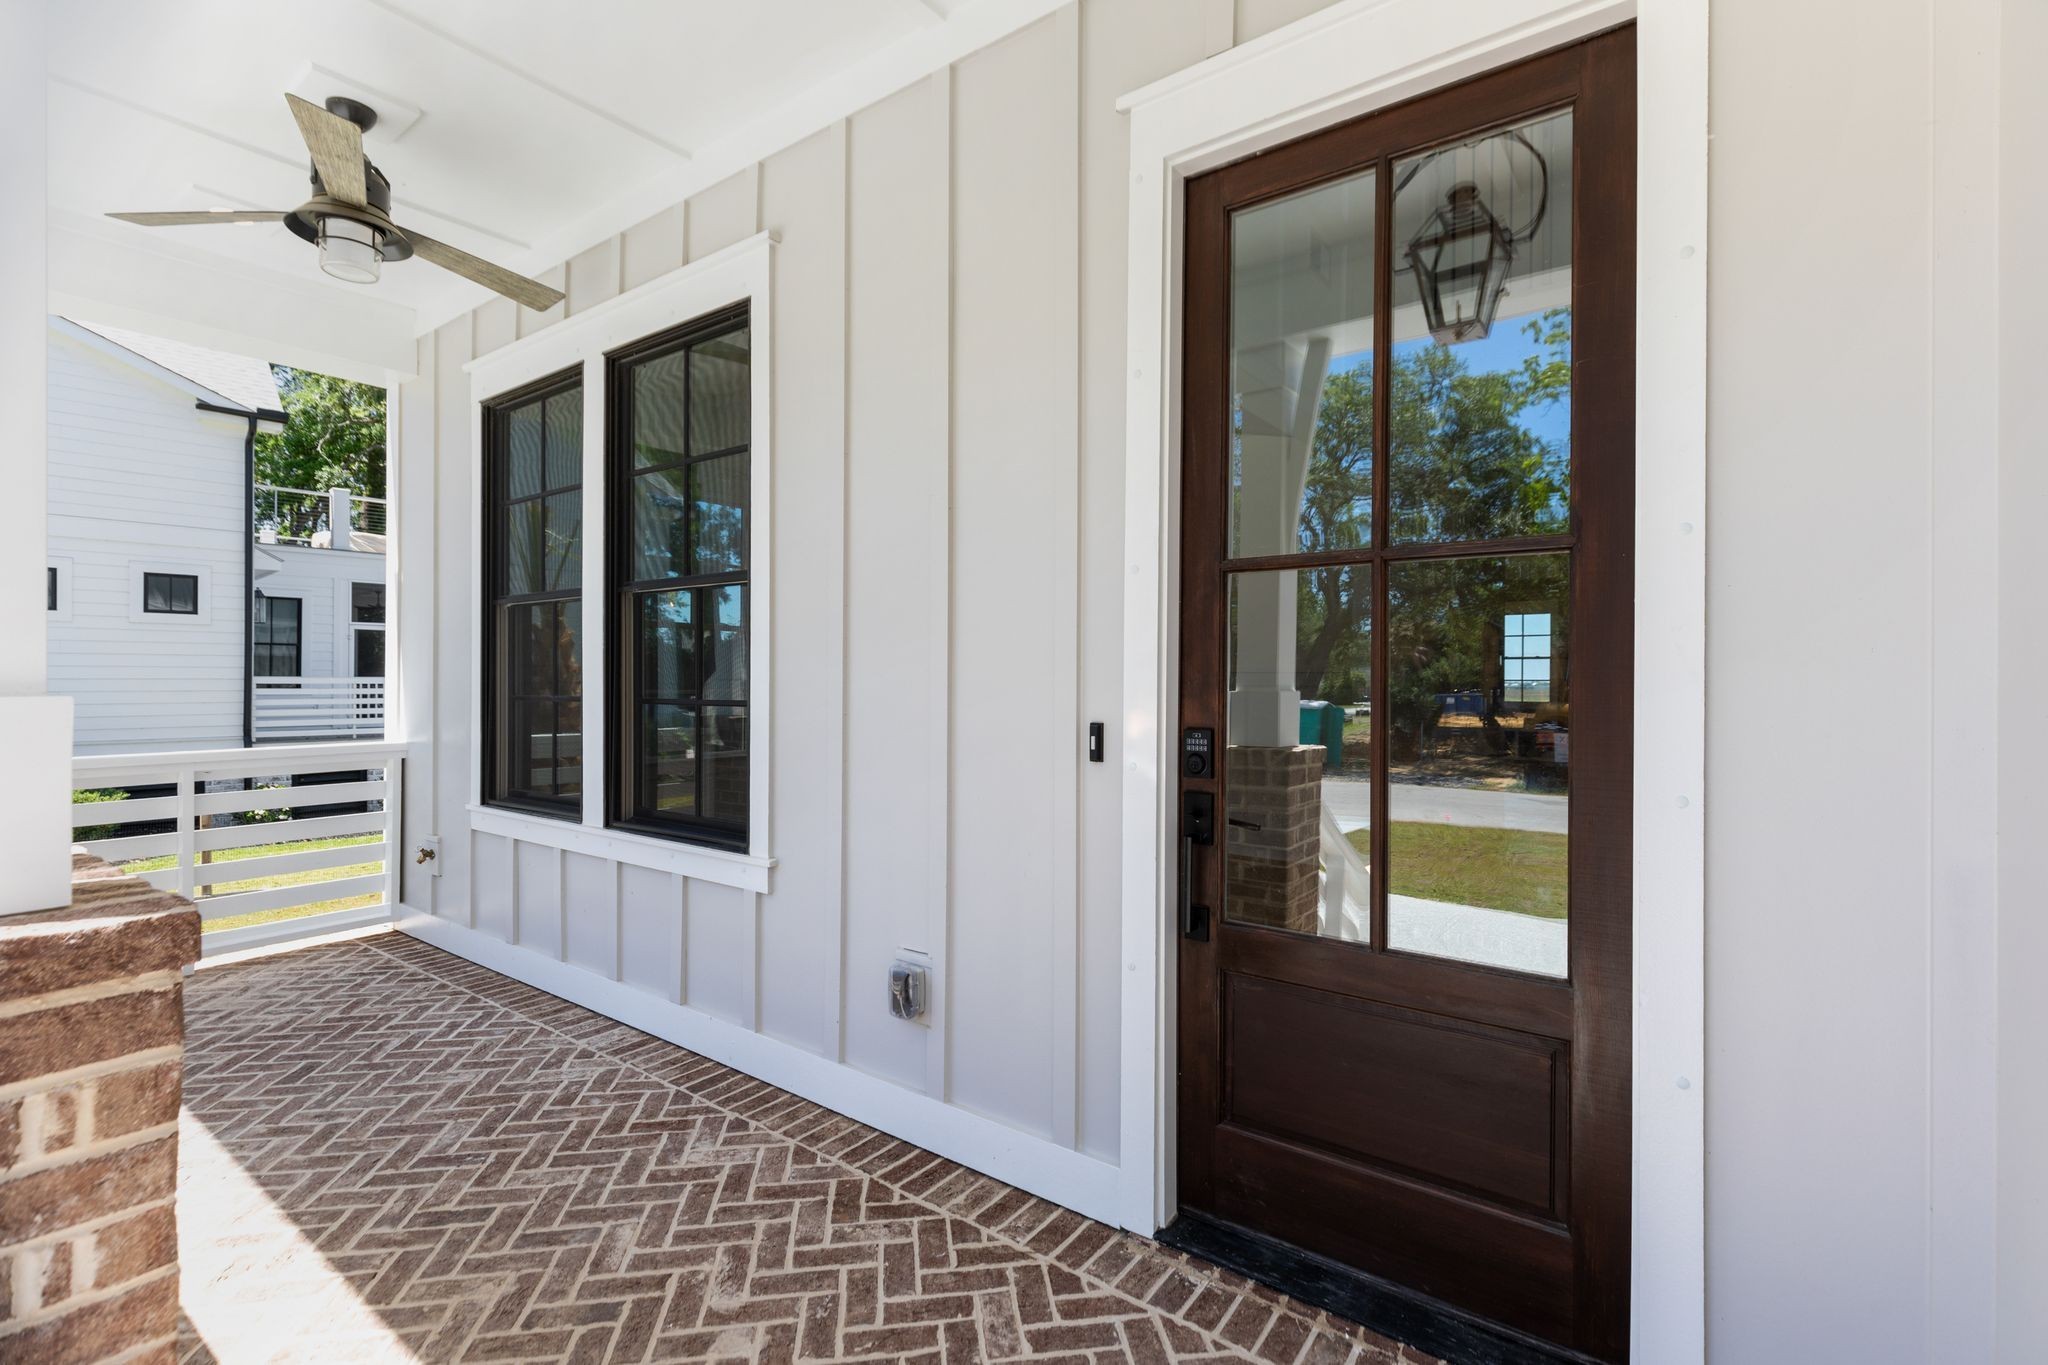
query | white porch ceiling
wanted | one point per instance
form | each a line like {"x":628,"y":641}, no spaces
{"x":540,"y":127}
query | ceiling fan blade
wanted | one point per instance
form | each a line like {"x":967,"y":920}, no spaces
{"x":532,"y":293}
{"x":337,"y":148}
{"x":203,"y":216}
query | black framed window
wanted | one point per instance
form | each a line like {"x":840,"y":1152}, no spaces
{"x":533,"y":616}
{"x":171,"y":594}
{"x":366,"y":601}
{"x":277,"y":636}
{"x":679,"y":453}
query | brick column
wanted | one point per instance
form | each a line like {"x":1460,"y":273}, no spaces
{"x":91,"y":1054}
{"x":1271,"y":873}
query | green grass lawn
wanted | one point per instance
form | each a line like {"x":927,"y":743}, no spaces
{"x":231,"y":855}
{"x":1502,"y":869}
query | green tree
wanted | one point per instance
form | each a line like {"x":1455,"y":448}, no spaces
{"x":1465,"y":467}
{"x":333,"y":437}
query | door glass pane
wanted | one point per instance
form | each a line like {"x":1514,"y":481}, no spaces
{"x":1478,"y":759}
{"x":1297,"y":765}
{"x":369,"y":654}
{"x":1480,"y":393}
{"x":1301,"y":339}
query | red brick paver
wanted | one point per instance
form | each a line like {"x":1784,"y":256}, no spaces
{"x":393,"y":1154}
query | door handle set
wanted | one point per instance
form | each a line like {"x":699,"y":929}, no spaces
{"x":1197,"y":826}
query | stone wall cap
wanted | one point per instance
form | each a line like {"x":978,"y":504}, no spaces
{"x":116,"y":926}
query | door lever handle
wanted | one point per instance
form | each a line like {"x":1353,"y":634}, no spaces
{"x":1194,"y":919}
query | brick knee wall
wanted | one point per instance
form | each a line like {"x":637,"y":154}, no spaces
{"x":91,"y":1054}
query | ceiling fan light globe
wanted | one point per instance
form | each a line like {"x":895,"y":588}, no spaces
{"x":350,"y":250}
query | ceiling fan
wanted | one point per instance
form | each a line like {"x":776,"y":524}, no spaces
{"x":349,"y":215}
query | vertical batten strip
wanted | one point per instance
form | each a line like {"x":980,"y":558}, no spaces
{"x":845,"y":138}
{"x":1063,"y":582}
{"x":938,"y":880}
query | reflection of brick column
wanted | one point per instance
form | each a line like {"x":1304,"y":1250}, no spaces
{"x":1270,"y":873}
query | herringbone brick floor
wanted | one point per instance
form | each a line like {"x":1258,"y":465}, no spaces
{"x":391,"y":1154}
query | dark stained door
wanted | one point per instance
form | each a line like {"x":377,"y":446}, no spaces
{"x":1407,"y":631}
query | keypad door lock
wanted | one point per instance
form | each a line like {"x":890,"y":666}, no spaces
{"x":1198,"y":751}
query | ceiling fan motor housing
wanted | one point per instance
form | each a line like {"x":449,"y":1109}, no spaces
{"x":304,"y":221}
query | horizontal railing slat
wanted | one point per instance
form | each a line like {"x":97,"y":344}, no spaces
{"x":134,"y":846}
{"x":283,"y":831}
{"x":220,"y":941}
{"x":283,"y":897}
{"x":285,"y":798}
{"x":286,"y":864}
{"x":121,"y":812}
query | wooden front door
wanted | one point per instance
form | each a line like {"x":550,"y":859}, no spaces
{"x":1408,"y":508}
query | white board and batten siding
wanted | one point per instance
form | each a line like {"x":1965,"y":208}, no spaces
{"x":947,"y":525}
{"x":140,"y":479}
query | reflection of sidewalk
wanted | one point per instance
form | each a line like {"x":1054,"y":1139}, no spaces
{"x":1470,"y":933}
{"x":1349,"y":800}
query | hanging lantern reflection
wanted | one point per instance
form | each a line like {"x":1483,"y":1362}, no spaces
{"x":1460,"y":262}
{"x":1461,"y":255}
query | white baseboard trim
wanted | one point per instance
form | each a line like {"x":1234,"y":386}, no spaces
{"x":1069,"y":1178}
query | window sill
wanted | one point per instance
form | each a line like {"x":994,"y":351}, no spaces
{"x":695,"y":861}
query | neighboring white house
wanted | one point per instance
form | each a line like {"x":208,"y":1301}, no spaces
{"x":154,"y":524}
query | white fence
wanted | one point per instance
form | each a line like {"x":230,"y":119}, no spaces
{"x":238,"y":830}
{"x":308,"y":709}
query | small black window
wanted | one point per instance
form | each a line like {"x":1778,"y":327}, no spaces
{"x":533,"y":608}
{"x":53,"y":587}
{"x":172,"y":594}
{"x":366,"y":602}
{"x":679,"y":440}
{"x":277,"y":637}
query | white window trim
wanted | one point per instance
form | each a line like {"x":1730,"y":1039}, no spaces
{"x":62,"y":611}
{"x":203,"y":572}
{"x":1343,"y":61}
{"x":741,"y":273}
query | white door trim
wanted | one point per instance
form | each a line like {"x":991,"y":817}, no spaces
{"x":1346,"y":60}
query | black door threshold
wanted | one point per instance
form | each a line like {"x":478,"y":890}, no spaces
{"x":1402,"y":1314}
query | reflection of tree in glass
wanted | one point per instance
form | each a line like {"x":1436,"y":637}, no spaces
{"x":1444,"y":647}
{"x":1466,"y":466}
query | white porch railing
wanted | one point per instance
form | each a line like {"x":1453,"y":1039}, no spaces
{"x":324,"y":518}
{"x":265,"y":854}
{"x":311,"y":709}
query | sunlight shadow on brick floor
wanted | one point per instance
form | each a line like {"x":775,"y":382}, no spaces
{"x":393,"y":1154}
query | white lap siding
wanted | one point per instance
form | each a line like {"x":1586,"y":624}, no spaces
{"x":141,"y":478}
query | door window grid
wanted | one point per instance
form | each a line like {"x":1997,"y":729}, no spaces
{"x":1535,"y":404}
{"x":277,"y":636}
